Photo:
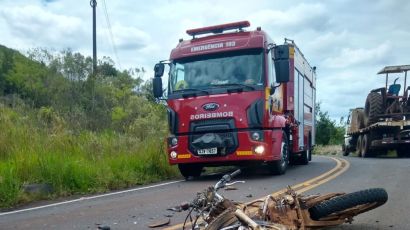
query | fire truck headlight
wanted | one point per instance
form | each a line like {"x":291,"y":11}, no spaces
{"x":256,"y":135}
{"x":173,"y":141}
{"x":260,"y":149}
{"x":173,"y":154}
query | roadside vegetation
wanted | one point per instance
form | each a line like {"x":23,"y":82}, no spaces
{"x":329,"y":134}
{"x":77,"y":133}
{"x":332,"y":150}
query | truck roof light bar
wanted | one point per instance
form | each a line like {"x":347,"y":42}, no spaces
{"x":218,"y":28}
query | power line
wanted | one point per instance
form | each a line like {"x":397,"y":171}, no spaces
{"x":111,"y":34}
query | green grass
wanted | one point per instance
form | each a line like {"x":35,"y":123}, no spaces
{"x":328,"y":150}
{"x":73,"y":162}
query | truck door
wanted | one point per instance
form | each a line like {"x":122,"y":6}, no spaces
{"x":299,"y":106}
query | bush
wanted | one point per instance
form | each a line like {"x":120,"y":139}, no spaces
{"x":73,"y":163}
{"x":80,"y":133}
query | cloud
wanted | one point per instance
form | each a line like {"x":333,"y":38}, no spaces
{"x":34,"y":23}
{"x":349,"y":57}
{"x":129,"y":38}
{"x":312,"y":16}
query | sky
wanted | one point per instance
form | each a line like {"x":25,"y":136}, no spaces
{"x":348,"y":41}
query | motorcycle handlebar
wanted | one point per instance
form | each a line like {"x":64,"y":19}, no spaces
{"x":234,"y":174}
{"x":226,"y":178}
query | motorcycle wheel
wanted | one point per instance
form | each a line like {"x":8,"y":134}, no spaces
{"x":224,"y":219}
{"x":356,"y":202}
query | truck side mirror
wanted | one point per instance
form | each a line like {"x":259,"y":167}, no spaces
{"x":159,"y":69}
{"x":282,"y":70}
{"x":157,"y":87}
{"x":157,"y":81}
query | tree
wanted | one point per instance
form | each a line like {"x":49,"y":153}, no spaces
{"x":62,"y":82}
{"x":327,"y":132}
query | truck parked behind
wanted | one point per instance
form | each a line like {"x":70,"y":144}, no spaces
{"x":384,"y":123}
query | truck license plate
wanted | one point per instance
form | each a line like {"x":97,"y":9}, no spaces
{"x":211,"y":151}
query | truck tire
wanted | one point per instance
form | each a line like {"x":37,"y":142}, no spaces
{"x":338,"y":204}
{"x":307,"y":154}
{"x":373,"y":108}
{"x":366,"y":141}
{"x":402,"y":152}
{"x":190,"y":170}
{"x":279,"y":167}
{"x":345,"y":150}
{"x":359,"y":146}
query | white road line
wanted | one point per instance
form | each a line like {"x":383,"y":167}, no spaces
{"x":88,"y":198}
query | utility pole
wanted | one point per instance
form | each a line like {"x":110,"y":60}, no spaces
{"x":93,"y":4}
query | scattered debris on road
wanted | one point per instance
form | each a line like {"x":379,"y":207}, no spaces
{"x":230,"y":188}
{"x":159,"y":223}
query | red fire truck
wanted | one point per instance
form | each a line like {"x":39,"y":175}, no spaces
{"x":234,"y":98}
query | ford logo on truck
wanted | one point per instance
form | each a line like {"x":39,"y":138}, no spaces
{"x":210,"y":106}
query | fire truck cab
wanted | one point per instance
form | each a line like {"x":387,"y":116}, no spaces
{"x":234,"y":97}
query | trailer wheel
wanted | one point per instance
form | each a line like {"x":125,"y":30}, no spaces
{"x":359,"y":146}
{"x":365,"y":148}
{"x":190,"y":170}
{"x":279,"y":167}
{"x":345,"y":150}
{"x":373,"y":108}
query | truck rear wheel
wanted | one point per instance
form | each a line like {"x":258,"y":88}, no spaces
{"x":279,"y":167}
{"x":373,"y":108}
{"x":307,"y":154}
{"x":190,"y":170}
{"x":359,"y":146}
{"x":365,"y":148}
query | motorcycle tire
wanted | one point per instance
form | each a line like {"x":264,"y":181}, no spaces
{"x":226,"y":218}
{"x":339,"y":204}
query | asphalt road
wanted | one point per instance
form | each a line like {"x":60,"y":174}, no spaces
{"x":135,"y":209}
{"x":390,"y":173}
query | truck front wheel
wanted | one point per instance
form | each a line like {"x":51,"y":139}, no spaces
{"x":402,"y":152}
{"x":279,"y":167}
{"x":190,"y":170}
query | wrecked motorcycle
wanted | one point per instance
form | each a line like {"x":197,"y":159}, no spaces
{"x":288,"y":211}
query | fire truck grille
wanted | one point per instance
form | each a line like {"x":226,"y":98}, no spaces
{"x":213,"y":133}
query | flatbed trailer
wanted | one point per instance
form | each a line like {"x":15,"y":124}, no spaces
{"x":384,"y":123}
{"x":377,"y":138}
{"x":382,"y":136}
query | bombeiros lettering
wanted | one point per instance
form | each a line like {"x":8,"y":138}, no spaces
{"x":211,"y":115}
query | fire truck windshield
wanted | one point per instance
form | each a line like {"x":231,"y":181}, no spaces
{"x":242,"y":69}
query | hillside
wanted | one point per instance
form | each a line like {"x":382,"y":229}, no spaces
{"x":75,"y":133}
